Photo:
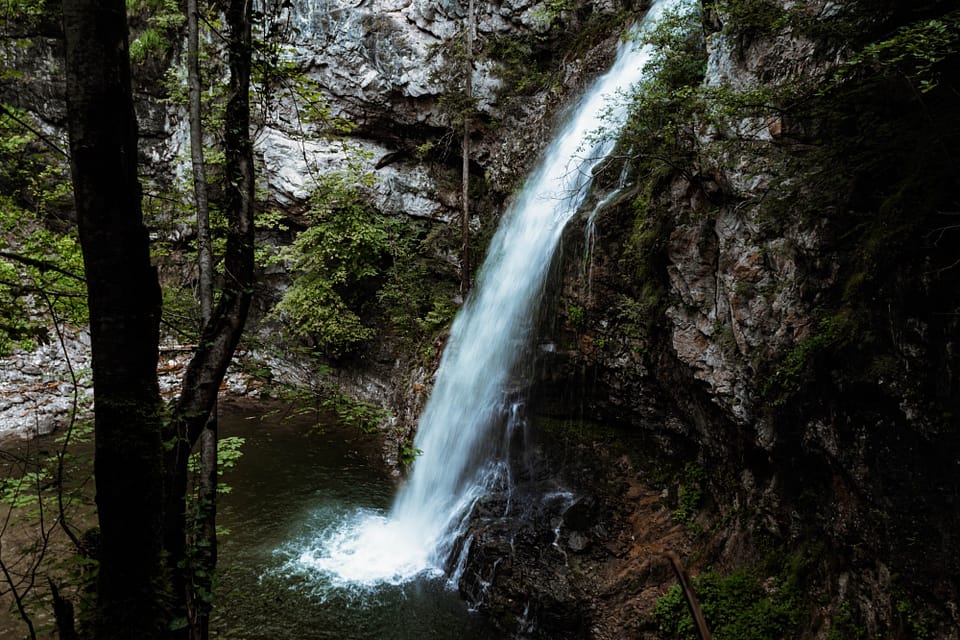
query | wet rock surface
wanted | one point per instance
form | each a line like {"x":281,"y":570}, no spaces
{"x":706,"y":351}
{"x":575,"y":553}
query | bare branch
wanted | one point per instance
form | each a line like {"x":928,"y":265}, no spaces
{"x":26,"y":125}
{"x":43,"y":265}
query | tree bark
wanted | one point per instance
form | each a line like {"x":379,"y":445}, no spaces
{"x":201,"y":584}
{"x":124,"y":302}
{"x":465,"y":215}
{"x":222,"y":332}
{"x":204,"y":245}
{"x":693,"y":604}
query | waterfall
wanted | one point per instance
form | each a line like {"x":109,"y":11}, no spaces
{"x":471,"y":412}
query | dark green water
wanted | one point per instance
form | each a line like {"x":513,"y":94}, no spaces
{"x":293,"y":486}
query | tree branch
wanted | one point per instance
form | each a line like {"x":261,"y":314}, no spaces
{"x":689,"y":594}
{"x":26,"y":125}
{"x":43,"y":265}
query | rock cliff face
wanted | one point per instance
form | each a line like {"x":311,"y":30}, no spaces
{"x":785,"y":326}
{"x":388,"y":66}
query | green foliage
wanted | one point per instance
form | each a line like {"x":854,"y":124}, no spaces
{"x":22,"y":492}
{"x":551,"y":11}
{"x":354,"y":413}
{"x":212,"y":103}
{"x":271,"y":220}
{"x":532,"y":61}
{"x":408,"y":453}
{"x":736,"y":607}
{"x":873,"y":159}
{"x":21,"y":8}
{"x":522,"y":66}
{"x":30,"y":174}
{"x":417,"y":294}
{"x":751,"y":19}
{"x":643,"y":258}
{"x":689,"y":494}
{"x":181,"y":311}
{"x":41,"y":272}
{"x":281,"y":79}
{"x":671,"y":110}
{"x":439,"y":317}
{"x":458,"y":106}
{"x":36,"y":499}
{"x":34,"y":487}
{"x":916,"y":51}
{"x":664,"y":107}
{"x":914,"y":618}
{"x":422,"y":151}
{"x":22,"y":17}
{"x":336,"y":266}
{"x":228,"y":454}
{"x":575,"y":314}
{"x":149,"y":43}
{"x":844,"y":625}
{"x":877,"y":148}
{"x":161,"y":20}
{"x":833,"y":333}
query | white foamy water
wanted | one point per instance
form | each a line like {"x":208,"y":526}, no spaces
{"x":367,"y":549}
{"x":461,"y":431}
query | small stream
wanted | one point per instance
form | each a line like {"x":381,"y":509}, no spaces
{"x":297,"y":484}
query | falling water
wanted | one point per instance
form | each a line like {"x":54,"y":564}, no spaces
{"x":472,"y":409}
{"x":590,"y":230}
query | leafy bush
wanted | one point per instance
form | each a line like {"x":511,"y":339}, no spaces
{"x":661,"y":127}
{"x":355,"y":272}
{"x":736,"y":607}
{"x":160,"y":20}
{"x":336,"y":264}
{"x":915,"y":50}
{"x":228,"y":453}
{"x":689,"y":494}
{"x":41,"y":267}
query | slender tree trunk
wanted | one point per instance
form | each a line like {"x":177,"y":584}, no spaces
{"x":206,"y":526}
{"x":222,"y":332}
{"x":465,"y":213}
{"x":198,"y":595}
{"x":124,"y":302}
{"x":204,"y":245}
{"x":465,"y":216}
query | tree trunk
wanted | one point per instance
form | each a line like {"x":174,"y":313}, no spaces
{"x":204,"y":245}
{"x":124,"y":302}
{"x":465,"y":216}
{"x":198,"y":596}
{"x":222,"y":332}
